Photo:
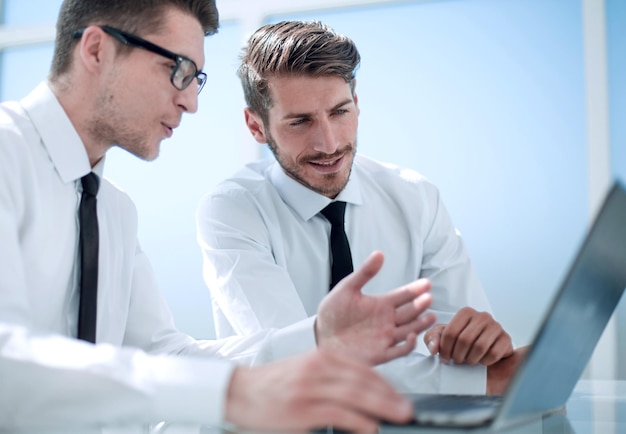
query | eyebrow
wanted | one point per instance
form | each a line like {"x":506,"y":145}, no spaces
{"x":307,"y":115}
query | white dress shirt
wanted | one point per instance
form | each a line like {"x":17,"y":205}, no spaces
{"x":266,"y":256}
{"x":48,"y":378}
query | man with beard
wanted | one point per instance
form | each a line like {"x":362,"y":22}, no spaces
{"x":264,"y":233}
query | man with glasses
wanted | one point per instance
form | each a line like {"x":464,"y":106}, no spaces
{"x":71,"y":266}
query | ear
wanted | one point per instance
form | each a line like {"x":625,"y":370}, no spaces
{"x":93,"y":48}
{"x":255,"y":125}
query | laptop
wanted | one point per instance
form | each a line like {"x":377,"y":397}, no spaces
{"x":564,"y":341}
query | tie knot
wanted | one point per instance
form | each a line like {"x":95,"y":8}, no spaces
{"x":334,"y":212}
{"x":91,"y":183}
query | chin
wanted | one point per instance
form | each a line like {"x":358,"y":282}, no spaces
{"x":329,"y":190}
{"x":153,"y":156}
{"x":149,"y":154}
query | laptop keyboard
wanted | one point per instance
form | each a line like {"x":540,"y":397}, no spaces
{"x":455,"y":410}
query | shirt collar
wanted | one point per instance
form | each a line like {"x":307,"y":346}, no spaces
{"x":58,"y":135}
{"x":305,"y":201}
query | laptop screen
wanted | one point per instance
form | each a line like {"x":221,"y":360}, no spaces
{"x":577,"y":317}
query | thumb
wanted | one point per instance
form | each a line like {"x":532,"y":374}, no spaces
{"x":432,"y":338}
{"x":358,"y":278}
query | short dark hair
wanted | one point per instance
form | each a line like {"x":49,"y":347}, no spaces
{"x":297,"y":48}
{"x":134,"y":16}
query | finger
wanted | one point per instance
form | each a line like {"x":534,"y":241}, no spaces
{"x":485,"y":345}
{"x":432,"y":338}
{"x":451,"y":333}
{"x":404,"y":347}
{"x":478,"y":339}
{"x":359,"y":277}
{"x":416,"y":326}
{"x":405,"y":294}
{"x":468,"y":339}
{"x":502,"y":348}
{"x":508,"y":346}
{"x":354,"y":385}
{"x":484,"y":351}
{"x":411,"y":310}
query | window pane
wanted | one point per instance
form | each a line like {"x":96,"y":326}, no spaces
{"x":31,"y":12}
{"x":22,"y":68}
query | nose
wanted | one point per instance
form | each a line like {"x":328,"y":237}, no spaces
{"x":325,"y":139}
{"x":187,"y":99}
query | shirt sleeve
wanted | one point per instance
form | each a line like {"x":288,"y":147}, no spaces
{"x":52,"y":381}
{"x":420,"y":373}
{"x":151,"y":327}
{"x":251,"y":291}
{"x":447,"y":264}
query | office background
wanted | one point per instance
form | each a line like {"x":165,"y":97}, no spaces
{"x":512,"y":107}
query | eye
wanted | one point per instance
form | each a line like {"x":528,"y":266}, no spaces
{"x":341,"y":111}
{"x":298,"y":122}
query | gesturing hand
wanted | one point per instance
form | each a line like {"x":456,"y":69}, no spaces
{"x":313,"y":391}
{"x":470,"y":337}
{"x":375,"y":329}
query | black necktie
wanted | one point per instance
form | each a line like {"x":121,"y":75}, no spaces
{"x":88,"y":246}
{"x":341,"y":258}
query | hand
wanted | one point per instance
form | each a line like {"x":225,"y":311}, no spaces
{"x":470,"y":337}
{"x":313,"y":391}
{"x":499,"y":374}
{"x":375,"y":329}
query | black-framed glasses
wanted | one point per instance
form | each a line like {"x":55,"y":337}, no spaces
{"x":183,"y":73}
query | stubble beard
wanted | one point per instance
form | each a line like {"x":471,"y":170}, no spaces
{"x":332,"y":183}
{"x":111,"y":129}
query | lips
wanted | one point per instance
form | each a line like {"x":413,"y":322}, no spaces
{"x":327,"y":166}
{"x":169,"y":129}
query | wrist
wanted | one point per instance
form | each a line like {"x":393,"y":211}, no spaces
{"x":237,"y":395}
{"x":500,"y":373}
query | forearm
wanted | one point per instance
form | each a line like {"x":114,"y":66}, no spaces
{"x":102,"y":385}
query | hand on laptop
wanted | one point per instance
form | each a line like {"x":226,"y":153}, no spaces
{"x":375,"y":329}
{"x":313,"y":391}
{"x":471,"y":337}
